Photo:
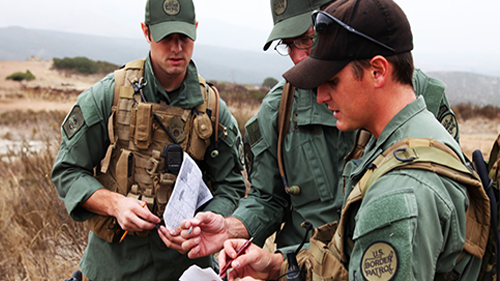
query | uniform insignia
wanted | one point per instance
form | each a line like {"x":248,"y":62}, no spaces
{"x":253,"y":132}
{"x":176,"y":127}
{"x":241,"y":152}
{"x":74,"y":122}
{"x":279,"y":6}
{"x":449,"y":122}
{"x":379,"y":262}
{"x":172,"y":7}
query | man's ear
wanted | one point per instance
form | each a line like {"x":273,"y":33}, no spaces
{"x":145,"y":31}
{"x":379,"y":67}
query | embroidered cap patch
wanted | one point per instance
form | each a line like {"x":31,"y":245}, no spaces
{"x":74,"y":122}
{"x":379,"y":262}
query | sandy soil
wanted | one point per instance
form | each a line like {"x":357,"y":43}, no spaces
{"x":46,"y":92}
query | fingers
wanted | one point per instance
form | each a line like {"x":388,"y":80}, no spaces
{"x":173,"y":242}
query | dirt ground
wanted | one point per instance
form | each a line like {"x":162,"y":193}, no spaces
{"x":46,"y":93}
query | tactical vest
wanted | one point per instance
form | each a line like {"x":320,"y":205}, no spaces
{"x":139,"y":132}
{"x":327,"y":259}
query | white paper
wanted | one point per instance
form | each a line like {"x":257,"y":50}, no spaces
{"x":195,"y":273}
{"x":190,"y":192}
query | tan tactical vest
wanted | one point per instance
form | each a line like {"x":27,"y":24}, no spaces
{"x":139,"y":132}
{"x":326,"y":259}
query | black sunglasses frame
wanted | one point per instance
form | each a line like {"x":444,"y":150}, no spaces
{"x":321,"y":25}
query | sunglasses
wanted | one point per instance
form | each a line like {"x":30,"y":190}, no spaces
{"x":322,"y":20}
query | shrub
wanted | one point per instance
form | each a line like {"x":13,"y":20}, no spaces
{"x":80,"y":64}
{"x":20,"y":76}
{"x":269,"y":82}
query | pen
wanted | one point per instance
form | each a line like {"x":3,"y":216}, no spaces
{"x":126,"y":231}
{"x":190,"y":229}
{"x":240,"y":250}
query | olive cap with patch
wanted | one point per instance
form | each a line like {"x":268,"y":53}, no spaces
{"x":164,"y":17}
{"x":336,"y":46}
{"x":291,"y":18}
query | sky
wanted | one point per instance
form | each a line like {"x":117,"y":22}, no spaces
{"x":463,"y":33}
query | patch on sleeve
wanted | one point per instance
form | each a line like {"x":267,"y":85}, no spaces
{"x":253,"y":132}
{"x":74,"y":122}
{"x":449,"y":122}
{"x":379,"y":262}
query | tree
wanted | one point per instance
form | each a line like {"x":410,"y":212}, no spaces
{"x":269,"y":82}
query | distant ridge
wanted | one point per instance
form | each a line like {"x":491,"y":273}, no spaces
{"x":214,"y":63}
{"x":464,"y":87}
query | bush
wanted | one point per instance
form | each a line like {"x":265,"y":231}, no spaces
{"x":80,"y":64}
{"x":269,"y":82}
{"x":20,"y":76}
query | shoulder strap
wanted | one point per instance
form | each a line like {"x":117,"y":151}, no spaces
{"x":212,"y":101}
{"x":131,"y":72}
{"x":434,"y":156}
{"x":284,"y":113}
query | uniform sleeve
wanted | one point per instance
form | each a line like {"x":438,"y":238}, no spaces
{"x":433,"y":91}
{"x":262,"y":211}
{"x":84,"y":143}
{"x":412,"y":230}
{"x":225,"y":169}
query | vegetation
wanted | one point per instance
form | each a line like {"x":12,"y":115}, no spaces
{"x":20,"y":76}
{"x":269,"y":82}
{"x":84,"y":65}
{"x":465,"y":111}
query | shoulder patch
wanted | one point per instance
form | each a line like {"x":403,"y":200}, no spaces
{"x":449,"y":122}
{"x":379,"y":262}
{"x":253,"y":132}
{"x":74,"y":122}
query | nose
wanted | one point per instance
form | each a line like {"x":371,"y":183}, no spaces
{"x":176,"y":43}
{"x":297,"y":55}
{"x":322,"y":95}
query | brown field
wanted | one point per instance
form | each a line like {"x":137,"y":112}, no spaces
{"x":38,"y":240}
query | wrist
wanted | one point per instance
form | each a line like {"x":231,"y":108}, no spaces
{"x":235,"y":228}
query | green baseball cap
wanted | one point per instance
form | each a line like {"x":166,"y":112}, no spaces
{"x":291,"y":18}
{"x":165,"y":17}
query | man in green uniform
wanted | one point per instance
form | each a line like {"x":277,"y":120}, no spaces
{"x":410,"y":224}
{"x":165,"y":108}
{"x":313,"y":151}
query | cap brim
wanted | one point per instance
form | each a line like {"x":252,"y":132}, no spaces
{"x":163,"y":29}
{"x":289,"y":28}
{"x":312,"y":72}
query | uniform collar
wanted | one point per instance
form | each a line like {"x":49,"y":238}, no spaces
{"x":189,"y":94}
{"x":389,"y":135}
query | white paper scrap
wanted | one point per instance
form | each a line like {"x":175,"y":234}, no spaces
{"x":190,"y":192}
{"x":195,"y":273}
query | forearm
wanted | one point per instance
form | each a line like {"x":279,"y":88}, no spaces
{"x":103,"y":202}
{"x":235,"y":228}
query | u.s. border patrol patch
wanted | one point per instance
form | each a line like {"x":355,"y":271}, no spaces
{"x":379,"y":262}
{"x":279,"y":6}
{"x":74,"y":122}
{"x":449,"y":122}
{"x":172,"y":7}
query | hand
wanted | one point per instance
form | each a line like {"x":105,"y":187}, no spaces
{"x":254,"y":262}
{"x":132,"y":216}
{"x":207,"y":237}
{"x":172,"y":238}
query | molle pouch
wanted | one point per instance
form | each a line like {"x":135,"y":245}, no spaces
{"x":124,"y":171}
{"x":105,"y":227}
{"x":324,"y":262}
{"x":164,"y":185}
{"x":200,"y":137}
{"x":143,"y":126}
